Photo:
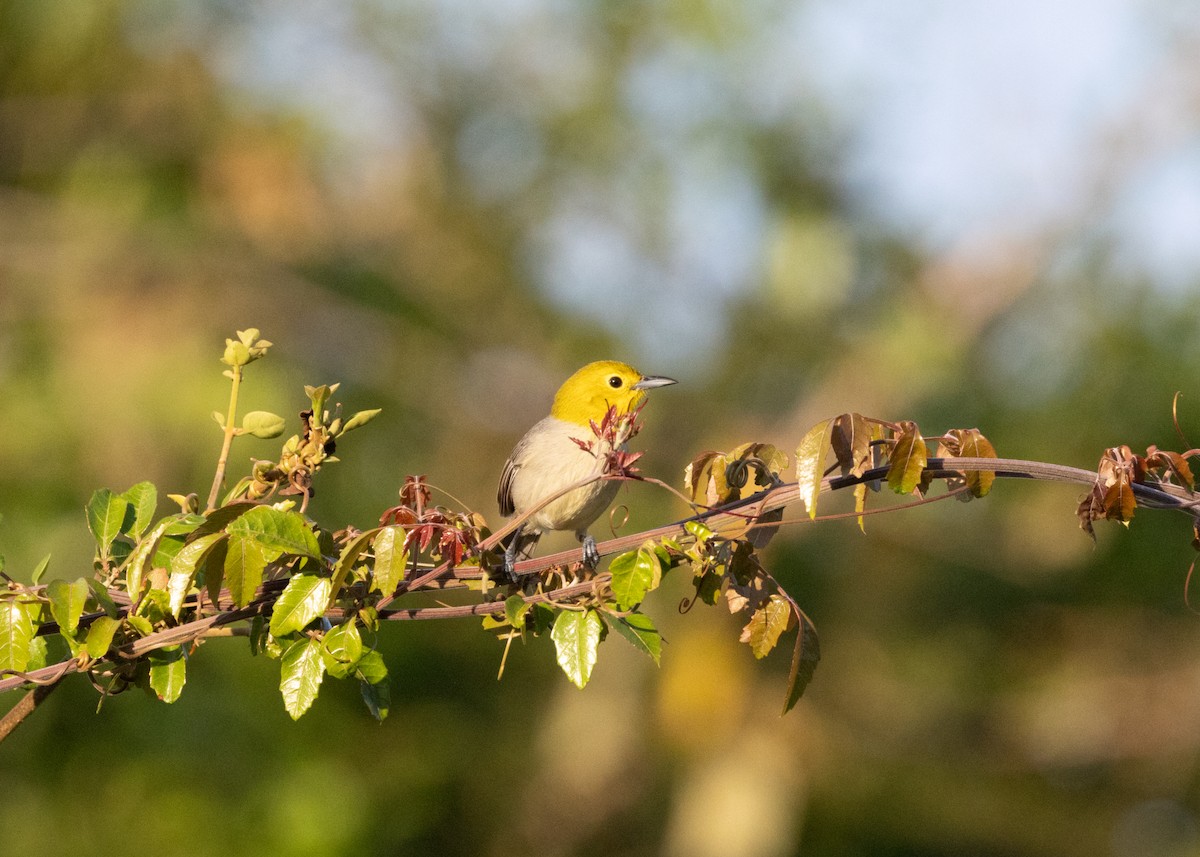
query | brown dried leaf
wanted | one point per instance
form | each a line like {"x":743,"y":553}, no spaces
{"x":851,"y":441}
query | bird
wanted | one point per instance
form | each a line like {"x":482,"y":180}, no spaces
{"x":563,"y":449}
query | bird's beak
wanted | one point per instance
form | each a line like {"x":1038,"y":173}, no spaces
{"x":651,"y":381}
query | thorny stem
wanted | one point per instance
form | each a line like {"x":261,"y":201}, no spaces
{"x":230,"y":432}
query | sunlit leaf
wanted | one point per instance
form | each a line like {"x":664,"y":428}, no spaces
{"x":106,"y":517}
{"x":970,"y":443}
{"x":390,"y":559}
{"x":277,"y":530}
{"x":301,"y":670}
{"x":908,"y":459}
{"x":100,"y":636}
{"x":16,"y":632}
{"x":810,"y":465}
{"x":640,"y":632}
{"x":766,"y":625}
{"x":576,"y":636}
{"x":263,"y":424}
{"x":140,"y":560}
{"x":633,"y":575}
{"x":66,"y":602}
{"x":245,"y":561}
{"x":343,"y":644}
{"x":143,"y":500}
{"x":168,"y":673}
{"x":303,"y":600}
{"x":183,"y":569}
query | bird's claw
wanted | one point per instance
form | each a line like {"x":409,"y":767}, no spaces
{"x":591,"y":554}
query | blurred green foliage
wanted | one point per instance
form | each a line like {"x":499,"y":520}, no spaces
{"x":991,"y":683}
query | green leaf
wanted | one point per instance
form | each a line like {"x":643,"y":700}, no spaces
{"x":140,"y":624}
{"x":304,"y":600}
{"x":220,"y":519}
{"x":374,"y":685}
{"x":908,"y":459}
{"x":768,"y":622}
{"x":343,"y":648}
{"x":39,"y":570}
{"x":38,"y":654}
{"x":168,"y":673}
{"x":640,"y":632}
{"x":263,"y":424}
{"x":515,"y":608}
{"x":805,"y":657}
{"x":66,"y":603}
{"x":106,"y":515}
{"x":633,"y":575}
{"x":810,"y":464}
{"x":285,"y":532}
{"x":183,"y":569}
{"x":301,"y":670}
{"x":143,"y":500}
{"x":100,"y":636}
{"x":390,"y":559}
{"x":359,"y":419}
{"x":576,"y":638}
{"x":16,"y":633}
{"x":700,"y":532}
{"x":245,"y":561}
{"x":348,"y":558}
{"x":141,"y":560}
{"x":103,"y":598}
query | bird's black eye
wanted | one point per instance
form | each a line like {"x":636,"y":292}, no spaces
{"x":614,"y":381}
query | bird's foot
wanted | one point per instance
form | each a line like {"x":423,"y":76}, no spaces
{"x":507,"y":568}
{"x":591,"y":555}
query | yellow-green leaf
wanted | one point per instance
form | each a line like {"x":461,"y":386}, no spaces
{"x":183,"y":569}
{"x":908,"y":459}
{"x":633,"y":575}
{"x":766,"y":625}
{"x":300,"y":673}
{"x":106,"y":515}
{"x":168,"y":673}
{"x":143,"y":500}
{"x":303,"y":600}
{"x":576,"y":636}
{"x":277,"y":530}
{"x":810,"y":464}
{"x":66,"y":603}
{"x":141,"y":560}
{"x":390,"y":559}
{"x":245,"y":561}
{"x":100,"y":636}
{"x":263,"y":424}
{"x":16,"y":633}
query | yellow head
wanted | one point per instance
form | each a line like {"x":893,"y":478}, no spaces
{"x":588,"y":394}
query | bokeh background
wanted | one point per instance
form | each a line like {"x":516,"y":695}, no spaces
{"x":968,"y":214}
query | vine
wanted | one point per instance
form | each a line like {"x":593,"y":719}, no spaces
{"x":315,"y":598}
